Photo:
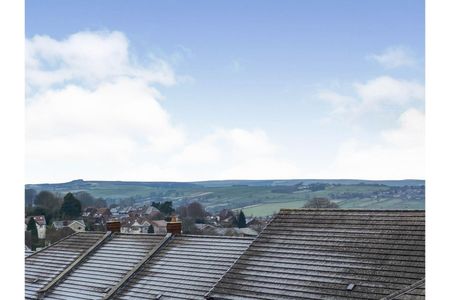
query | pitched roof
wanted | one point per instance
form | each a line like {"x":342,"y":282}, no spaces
{"x":92,"y":269}
{"x":234,"y":231}
{"x":151,"y":209}
{"x":28,"y":251}
{"x":415,"y":291}
{"x":64,"y":223}
{"x":186,"y":268}
{"x":43,"y":266}
{"x":103,"y":210}
{"x":159,"y":223}
{"x":104,"y":267}
{"x":339,"y":254}
{"x":40,"y":220}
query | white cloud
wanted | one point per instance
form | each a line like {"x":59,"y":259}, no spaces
{"x":394,"y":57}
{"x":386,"y":90}
{"x":123,"y":107}
{"x":341,"y":104}
{"x":391,"y":153}
{"x":399,"y":153}
{"x":87,"y":58}
{"x":374,"y":95}
{"x":236,"y":153}
{"x":411,"y":130}
{"x":92,"y":113}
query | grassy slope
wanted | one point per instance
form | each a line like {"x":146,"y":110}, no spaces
{"x":256,"y":198}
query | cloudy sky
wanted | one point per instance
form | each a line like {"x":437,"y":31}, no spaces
{"x":197,"y":90}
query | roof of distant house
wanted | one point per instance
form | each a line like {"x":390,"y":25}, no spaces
{"x":64,"y":223}
{"x":141,"y":221}
{"x":210,"y":229}
{"x":103,"y":211}
{"x":159,"y":223}
{"x":40,"y":220}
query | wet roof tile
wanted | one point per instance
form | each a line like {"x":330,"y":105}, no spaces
{"x":317,"y":254}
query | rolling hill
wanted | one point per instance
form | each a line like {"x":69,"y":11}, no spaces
{"x":256,"y":197}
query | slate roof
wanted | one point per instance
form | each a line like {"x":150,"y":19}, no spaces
{"x":317,"y":254}
{"x":104,"y":267}
{"x":28,"y":251}
{"x":61,"y":224}
{"x":186,"y":268}
{"x":91,"y":265}
{"x":40,"y":220}
{"x":415,"y":291}
{"x":301,"y":254}
{"x":159,"y":223}
{"x":43,"y":266}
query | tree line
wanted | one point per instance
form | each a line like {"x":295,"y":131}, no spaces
{"x":55,"y":206}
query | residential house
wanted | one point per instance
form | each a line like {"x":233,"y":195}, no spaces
{"x":257,"y":224}
{"x":89,"y":212}
{"x":41,"y":225}
{"x":102,"y":215}
{"x":75,"y":225}
{"x":97,"y":215}
{"x":141,"y":225}
{"x":159,"y":226}
{"x":145,"y":211}
{"x":209,"y":229}
{"x":152,"y":212}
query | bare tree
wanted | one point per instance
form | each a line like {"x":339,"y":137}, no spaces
{"x":320,"y":202}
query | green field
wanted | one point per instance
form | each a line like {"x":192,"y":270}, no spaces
{"x":271,"y":208}
{"x":257,"y":198}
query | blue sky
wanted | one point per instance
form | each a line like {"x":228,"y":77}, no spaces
{"x":321,"y":87}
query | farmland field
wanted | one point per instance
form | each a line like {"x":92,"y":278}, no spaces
{"x":270,"y":208}
{"x":257,"y":198}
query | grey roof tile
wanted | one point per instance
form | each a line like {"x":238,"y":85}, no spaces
{"x":43,"y":266}
{"x":186,"y":268}
{"x":316,"y":254}
{"x":104,"y":267}
{"x":415,"y":291}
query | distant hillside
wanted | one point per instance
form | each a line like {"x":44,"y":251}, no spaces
{"x":222,"y":183}
{"x":256,"y":197}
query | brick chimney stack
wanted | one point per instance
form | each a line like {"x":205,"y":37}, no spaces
{"x":113,"y":226}
{"x":174,"y":226}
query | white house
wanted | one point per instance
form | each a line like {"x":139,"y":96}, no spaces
{"x":75,"y":225}
{"x":141,"y":225}
{"x":41,"y":225}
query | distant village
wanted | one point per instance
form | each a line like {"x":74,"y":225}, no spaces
{"x":56,"y":215}
{"x":79,"y":247}
{"x":45,"y":225}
